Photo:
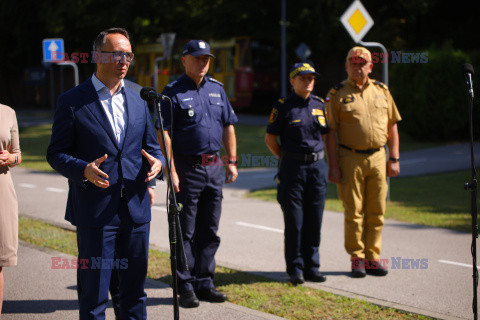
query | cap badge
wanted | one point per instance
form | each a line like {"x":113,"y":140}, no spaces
{"x":201,"y":45}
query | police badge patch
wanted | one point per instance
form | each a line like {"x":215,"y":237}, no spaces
{"x":273,"y":115}
{"x":321,"y":120}
{"x":191,"y":113}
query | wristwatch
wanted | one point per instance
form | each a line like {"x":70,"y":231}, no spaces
{"x":234,"y":162}
{"x":394,"y":159}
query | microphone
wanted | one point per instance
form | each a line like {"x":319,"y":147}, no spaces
{"x":468,"y":71}
{"x":150,"y":94}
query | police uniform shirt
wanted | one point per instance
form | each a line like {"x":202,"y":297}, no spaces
{"x":299,"y":123}
{"x":361,"y":117}
{"x":199,"y":115}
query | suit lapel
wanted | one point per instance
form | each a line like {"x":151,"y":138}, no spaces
{"x":97,"y":110}
{"x":130,"y":105}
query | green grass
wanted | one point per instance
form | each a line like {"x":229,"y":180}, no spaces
{"x":245,"y":289}
{"x":33,"y":143}
{"x":434,"y":200}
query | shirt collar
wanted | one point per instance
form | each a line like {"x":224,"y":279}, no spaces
{"x":354,"y":84}
{"x":192,"y":83}
{"x":99,"y":86}
{"x":300,"y":99}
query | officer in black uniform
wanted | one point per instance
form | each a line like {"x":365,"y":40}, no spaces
{"x":300,"y":121}
{"x":202,"y":118}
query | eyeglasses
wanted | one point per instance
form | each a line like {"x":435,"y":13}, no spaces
{"x":117,"y":56}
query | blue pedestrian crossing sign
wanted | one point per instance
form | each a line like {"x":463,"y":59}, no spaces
{"x":53,"y":50}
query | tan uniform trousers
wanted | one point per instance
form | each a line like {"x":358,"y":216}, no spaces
{"x":364,"y":194}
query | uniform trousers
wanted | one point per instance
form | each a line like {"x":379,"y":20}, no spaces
{"x":301,"y":193}
{"x":201,"y":195}
{"x":363,"y":191}
{"x":121,"y":245}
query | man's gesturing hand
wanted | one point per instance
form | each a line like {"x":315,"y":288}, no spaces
{"x":155,"y":166}
{"x":96,"y":176}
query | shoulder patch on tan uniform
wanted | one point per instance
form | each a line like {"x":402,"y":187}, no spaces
{"x":380,"y":84}
{"x":334,"y":90}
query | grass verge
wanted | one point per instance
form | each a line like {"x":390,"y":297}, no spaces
{"x":245,"y":289}
{"x":433,"y":200}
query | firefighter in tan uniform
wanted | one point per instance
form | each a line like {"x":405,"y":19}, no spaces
{"x":362,"y":114}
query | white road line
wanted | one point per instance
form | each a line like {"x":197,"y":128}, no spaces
{"x":456,"y":263}
{"x":256,"y":226}
{"x":27,"y":185}
{"x":412,"y":161}
{"x":159,"y":208}
{"x":55,"y":190}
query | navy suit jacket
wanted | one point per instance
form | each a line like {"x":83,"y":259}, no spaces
{"x":81,"y":133}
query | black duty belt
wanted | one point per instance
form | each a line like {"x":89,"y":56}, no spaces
{"x":198,"y":159}
{"x":367,"y":151}
{"x":306,"y":157}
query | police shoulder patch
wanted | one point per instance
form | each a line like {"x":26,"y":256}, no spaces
{"x":381,"y":84}
{"x":273,"y":115}
{"x":170,"y":85}
{"x":318,"y":98}
{"x":335,"y":88}
{"x":215,"y":81}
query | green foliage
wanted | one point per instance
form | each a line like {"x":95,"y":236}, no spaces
{"x":431,"y":97}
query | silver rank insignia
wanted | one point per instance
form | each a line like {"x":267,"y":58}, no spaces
{"x":191,"y":113}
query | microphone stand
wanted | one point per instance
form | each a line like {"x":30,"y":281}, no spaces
{"x":472,"y":186}
{"x":174,"y":227}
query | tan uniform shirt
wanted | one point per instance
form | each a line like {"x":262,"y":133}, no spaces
{"x":361,"y":118}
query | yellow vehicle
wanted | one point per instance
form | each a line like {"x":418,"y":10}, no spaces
{"x":232,"y":67}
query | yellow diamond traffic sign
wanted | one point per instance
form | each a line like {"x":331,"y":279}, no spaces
{"x":356,"y":20}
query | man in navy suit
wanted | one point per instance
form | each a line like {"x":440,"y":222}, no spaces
{"x":104,"y":143}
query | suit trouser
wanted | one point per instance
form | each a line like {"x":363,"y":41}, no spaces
{"x":201,"y":196}
{"x":301,"y":193}
{"x":363,"y":192}
{"x":120,"y":245}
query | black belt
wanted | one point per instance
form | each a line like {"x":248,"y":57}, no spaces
{"x":198,"y":159}
{"x":367,"y":151}
{"x":306,"y":157}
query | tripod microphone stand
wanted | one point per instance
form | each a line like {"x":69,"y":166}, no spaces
{"x":472,"y":186}
{"x":174,"y":227}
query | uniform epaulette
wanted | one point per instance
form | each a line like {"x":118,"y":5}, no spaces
{"x":381,"y":84}
{"x":170,"y":85}
{"x":318,"y":98}
{"x":216,"y":81}
{"x":335,"y":88}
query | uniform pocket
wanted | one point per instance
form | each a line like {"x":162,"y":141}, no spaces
{"x":188,"y":112}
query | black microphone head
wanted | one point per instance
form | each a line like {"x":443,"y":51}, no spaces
{"x":144,"y":93}
{"x":467,"y":68}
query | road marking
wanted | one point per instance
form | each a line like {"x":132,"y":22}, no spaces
{"x":457,"y":263}
{"x":159,"y":208}
{"x":404,"y":162}
{"x":55,"y":190}
{"x":256,"y":226}
{"x":27,"y":185}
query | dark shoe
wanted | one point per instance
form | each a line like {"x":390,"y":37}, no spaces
{"x":358,"y":268}
{"x":188,"y":300}
{"x":211,"y":295}
{"x":315,"y":276}
{"x":297,"y":279}
{"x":374,"y":268}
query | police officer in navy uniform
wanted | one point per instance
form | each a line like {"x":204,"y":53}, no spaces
{"x":300,"y":121}
{"x":202,"y":119}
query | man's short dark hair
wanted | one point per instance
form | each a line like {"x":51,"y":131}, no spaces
{"x":102,"y":37}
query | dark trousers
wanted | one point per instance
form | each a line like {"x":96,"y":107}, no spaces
{"x":201,"y":196}
{"x":122,"y":246}
{"x":301,"y":193}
